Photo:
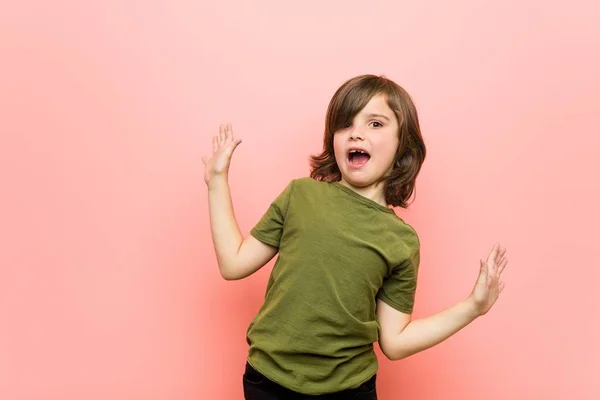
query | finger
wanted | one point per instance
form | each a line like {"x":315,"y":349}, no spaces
{"x":502,"y":265}
{"x":487,"y":277}
{"x":501,"y":253}
{"x":234,"y":145}
{"x":500,"y":260}
{"x":228,"y":132}
{"x":494,"y":253}
{"x":501,"y":287}
{"x":205,"y":160}
{"x":215,"y":144}
{"x":221,"y":134}
{"x":483,"y":271}
{"x":493,"y":258}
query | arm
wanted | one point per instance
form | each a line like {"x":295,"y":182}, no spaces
{"x":400,"y":337}
{"x":237,"y":257}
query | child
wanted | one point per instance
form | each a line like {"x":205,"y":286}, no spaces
{"x":347,"y":267}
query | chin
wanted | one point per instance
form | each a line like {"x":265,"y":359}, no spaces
{"x":358,"y":183}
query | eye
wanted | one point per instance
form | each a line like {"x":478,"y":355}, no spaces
{"x":376,"y":124}
{"x":347,"y":124}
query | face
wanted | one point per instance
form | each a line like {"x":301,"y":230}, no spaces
{"x":366,"y":148}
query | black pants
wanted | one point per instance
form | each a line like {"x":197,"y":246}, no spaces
{"x":258,"y":387}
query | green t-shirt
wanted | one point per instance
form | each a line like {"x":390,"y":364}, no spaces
{"x":338,"y":252}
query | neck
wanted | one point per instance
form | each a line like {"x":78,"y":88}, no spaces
{"x":373,"y":192}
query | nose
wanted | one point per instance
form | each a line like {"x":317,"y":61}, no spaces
{"x":356,"y":134}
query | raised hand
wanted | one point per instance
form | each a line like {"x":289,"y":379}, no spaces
{"x":223,"y":146}
{"x":488,"y":286}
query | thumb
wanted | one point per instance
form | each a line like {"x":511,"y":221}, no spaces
{"x":205,"y":160}
{"x":233,"y":146}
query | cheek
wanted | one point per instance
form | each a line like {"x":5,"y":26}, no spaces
{"x":338,"y":147}
{"x":387,"y":148}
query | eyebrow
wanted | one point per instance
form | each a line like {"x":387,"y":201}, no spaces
{"x":378,"y":116}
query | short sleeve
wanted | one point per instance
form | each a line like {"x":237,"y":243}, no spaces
{"x":270,"y":227}
{"x":399,"y":288}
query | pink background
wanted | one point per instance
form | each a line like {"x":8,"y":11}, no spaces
{"x":108,"y":283}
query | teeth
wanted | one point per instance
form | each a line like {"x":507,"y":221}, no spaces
{"x":356,"y":151}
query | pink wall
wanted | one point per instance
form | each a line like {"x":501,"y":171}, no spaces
{"x":108,"y":283}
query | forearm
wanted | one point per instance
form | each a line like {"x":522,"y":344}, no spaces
{"x":226,"y":234}
{"x":427,"y":332}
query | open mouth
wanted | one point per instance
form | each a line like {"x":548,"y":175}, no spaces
{"x":358,"y":158}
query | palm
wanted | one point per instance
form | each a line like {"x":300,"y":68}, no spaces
{"x":223,"y":146}
{"x":488,"y":286}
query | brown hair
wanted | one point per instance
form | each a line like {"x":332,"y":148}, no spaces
{"x":347,"y":101}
